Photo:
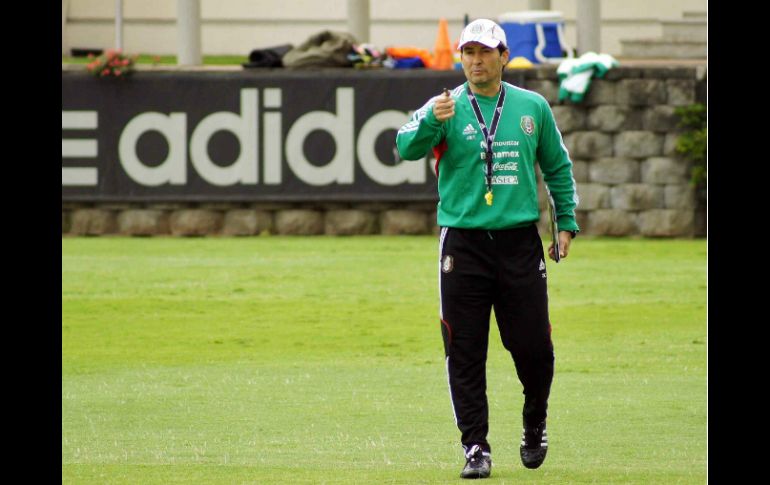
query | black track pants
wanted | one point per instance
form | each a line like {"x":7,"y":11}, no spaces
{"x":503,"y":270}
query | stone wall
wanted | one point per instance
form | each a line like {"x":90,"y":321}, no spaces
{"x":247,"y":219}
{"x":621,"y":138}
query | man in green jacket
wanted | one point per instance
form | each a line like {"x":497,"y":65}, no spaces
{"x":487,"y":136}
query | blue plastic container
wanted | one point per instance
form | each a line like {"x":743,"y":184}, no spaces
{"x":521,"y":31}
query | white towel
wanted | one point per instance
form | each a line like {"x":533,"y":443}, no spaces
{"x":576,"y":74}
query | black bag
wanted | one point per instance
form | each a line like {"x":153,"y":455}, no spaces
{"x":270,"y":57}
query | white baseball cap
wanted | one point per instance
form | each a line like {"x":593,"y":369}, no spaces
{"x":483,"y":31}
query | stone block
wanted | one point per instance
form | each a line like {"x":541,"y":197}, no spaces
{"x":640,"y":92}
{"x":614,"y":171}
{"x":660,"y":119}
{"x":542,"y":71}
{"x":613,"y":118}
{"x":664,"y":170}
{"x":66,"y":221}
{"x":593,"y":196}
{"x":679,"y":197}
{"x":611,"y":222}
{"x":300,"y":222}
{"x":404,"y":222}
{"x":701,"y":223}
{"x":667,"y":223}
{"x":350,"y":222}
{"x":546,"y":88}
{"x":600,"y":92}
{"x":636,"y":197}
{"x":195,"y":222}
{"x":143,"y":222}
{"x":580,"y":171}
{"x":239,"y":222}
{"x":93,"y":222}
{"x":588,"y":144}
{"x":669,"y":145}
{"x":569,"y":118}
{"x":681,"y":92}
{"x":638,"y":144}
{"x":265,"y":222}
{"x":435,"y":229}
{"x":247,"y":222}
{"x":517,"y":77}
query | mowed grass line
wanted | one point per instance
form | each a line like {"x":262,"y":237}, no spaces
{"x":319,"y":360}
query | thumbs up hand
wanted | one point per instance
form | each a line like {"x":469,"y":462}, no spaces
{"x":444,"y":106}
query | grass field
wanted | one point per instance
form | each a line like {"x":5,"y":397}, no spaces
{"x":319,"y":360}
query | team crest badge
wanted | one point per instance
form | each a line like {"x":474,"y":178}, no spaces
{"x":528,"y":124}
{"x":447,"y":264}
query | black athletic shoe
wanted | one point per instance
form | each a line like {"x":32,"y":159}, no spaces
{"x":478,"y":463}
{"x":534,"y":445}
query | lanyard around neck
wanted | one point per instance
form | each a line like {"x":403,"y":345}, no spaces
{"x":489,"y":134}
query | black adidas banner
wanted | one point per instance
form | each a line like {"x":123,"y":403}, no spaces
{"x":268,"y":135}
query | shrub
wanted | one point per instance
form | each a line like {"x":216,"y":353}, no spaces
{"x":692,"y":142}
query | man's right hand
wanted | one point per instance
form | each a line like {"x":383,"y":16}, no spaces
{"x":444,"y":107}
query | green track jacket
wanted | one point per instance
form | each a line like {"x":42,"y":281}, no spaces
{"x":526,"y":135}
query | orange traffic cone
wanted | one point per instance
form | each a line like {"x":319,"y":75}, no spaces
{"x":442,"y":52}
